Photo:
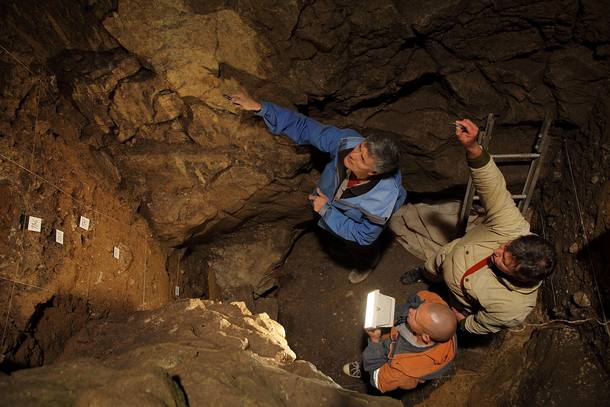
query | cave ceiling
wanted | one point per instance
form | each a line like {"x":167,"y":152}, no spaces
{"x":148,"y":85}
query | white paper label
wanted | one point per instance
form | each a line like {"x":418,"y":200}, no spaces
{"x":116,"y":252}
{"x":84,"y":223}
{"x":59,"y":236}
{"x":177,"y":291}
{"x":34,"y":224}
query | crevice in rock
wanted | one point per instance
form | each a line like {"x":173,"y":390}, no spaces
{"x":51,"y":324}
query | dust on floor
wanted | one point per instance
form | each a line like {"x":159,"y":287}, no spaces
{"x":323,"y":313}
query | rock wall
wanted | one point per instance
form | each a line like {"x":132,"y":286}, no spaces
{"x":188,"y":353}
{"x":47,"y":289}
{"x":115,"y":110}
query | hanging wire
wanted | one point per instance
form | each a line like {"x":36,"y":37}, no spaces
{"x":586,"y":237}
{"x":25,"y":205}
{"x":31,"y":172}
{"x":561,"y":321}
{"x":145,"y":270}
{"x":25,"y":284}
{"x":17,"y":59}
{"x":83,"y":203}
{"x":8,"y":313}
{"x":542,"y":222}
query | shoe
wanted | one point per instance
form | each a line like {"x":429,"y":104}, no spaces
{"x":415,"y":275}
{"x":352,"y":369}
{"x":357,"y":276}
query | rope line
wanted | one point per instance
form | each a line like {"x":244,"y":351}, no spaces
{"x":8,"y":313}
{"x":17,"y":59}
{"x":26,"y":284}
{"x":553,"y":274}
{"x":586,"y":237}
{"x":561,"y":321}
{"x":35,"y":138}
{"x":89,"y":206}
{"x":26,"y":208}
{"x":145,"y":270}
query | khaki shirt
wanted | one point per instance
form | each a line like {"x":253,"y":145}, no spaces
{"x":501,"y":304}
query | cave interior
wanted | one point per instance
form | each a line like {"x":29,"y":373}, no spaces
{"x":158,"y":245}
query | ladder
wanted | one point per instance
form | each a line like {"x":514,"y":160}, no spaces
{"x":534,"y":158}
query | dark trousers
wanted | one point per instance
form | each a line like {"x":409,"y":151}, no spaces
{"x":350,"y":253}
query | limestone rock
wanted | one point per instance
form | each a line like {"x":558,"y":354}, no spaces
{"x":247,"y":258}
{"x":593,"y":25}
{"x":581,"y":299}
{"x":194,"y":166}
{"x":167,"y":106}
{"x":417,"y":122}
{"x":574,"y":77}
{"x":9,"y":198}
{"x":86,"y":382}
{"x":93,"y":79}
{"x":202,"y":352}
{"x":474,"y":90}
{"x":187,"y":46}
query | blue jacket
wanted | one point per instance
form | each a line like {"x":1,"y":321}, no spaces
{"x":359,"y":219}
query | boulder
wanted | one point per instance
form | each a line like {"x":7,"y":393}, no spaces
{"x":574,"y":77}
{"x":189,"y":353}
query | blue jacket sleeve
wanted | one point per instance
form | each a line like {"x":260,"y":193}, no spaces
{"x":300,"y":128}
{"x":362,"y":231}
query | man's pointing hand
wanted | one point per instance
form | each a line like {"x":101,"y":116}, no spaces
{"x":244,"y":101}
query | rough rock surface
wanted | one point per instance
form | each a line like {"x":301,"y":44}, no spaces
{"x":46,"y":172}
{"x":194,"y":167}
{"x":196,"y":352}
{"x":119,"y":104}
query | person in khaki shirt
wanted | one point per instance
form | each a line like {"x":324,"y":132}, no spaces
{"x":495,"y":270}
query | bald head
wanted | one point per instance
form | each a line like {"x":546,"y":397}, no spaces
{"x":438,"y":321}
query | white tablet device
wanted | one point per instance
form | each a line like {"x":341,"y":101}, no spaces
{"x":379,"y":310}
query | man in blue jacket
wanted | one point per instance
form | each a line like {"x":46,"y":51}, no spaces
{"x":359,"y":188}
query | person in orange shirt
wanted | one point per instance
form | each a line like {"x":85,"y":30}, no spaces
{"x":420,"y":346}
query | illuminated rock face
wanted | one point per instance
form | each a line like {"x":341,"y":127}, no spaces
{"x":149,"y":84}
{"x":121,"y":106}
{"x":202,"y":352}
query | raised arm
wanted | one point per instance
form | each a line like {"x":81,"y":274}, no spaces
{"x":502,"y":215}
{"x":300,"y":128}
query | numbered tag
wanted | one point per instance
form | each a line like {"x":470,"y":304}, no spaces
{"x":116,"y":252}
{"x":177,"y":291}
{"x":59,"y":236}
{"x":84,"y":223}
{"x":34,"y":224}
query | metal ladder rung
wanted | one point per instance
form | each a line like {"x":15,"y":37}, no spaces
{"x":535,"y":161}
{"x":515,"y":157}
{"x":515,"y":196}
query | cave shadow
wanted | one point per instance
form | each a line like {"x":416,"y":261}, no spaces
{"x":50,"y":328}
{"x":597,"y":255}
{"x":341,"y":251}
{"x":178,"y":382}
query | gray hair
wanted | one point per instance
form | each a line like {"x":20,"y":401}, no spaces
{"x":385,"y":153}
{"x":536,"y":258}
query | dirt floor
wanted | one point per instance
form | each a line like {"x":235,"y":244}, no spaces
{"x":323,"y":313}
